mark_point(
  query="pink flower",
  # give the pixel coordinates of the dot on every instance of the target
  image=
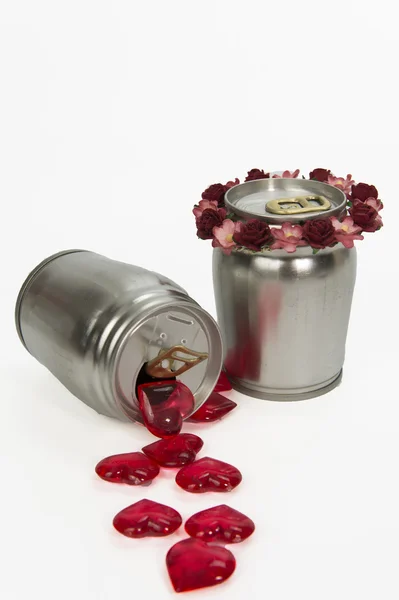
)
(287, 175)
(288, 237)
(203, 205)
(231, 184)
(375, 203)
(223, 236)
(346, 231)
(342, 184)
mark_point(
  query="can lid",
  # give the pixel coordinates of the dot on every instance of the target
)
(279, 200)
(176, 332)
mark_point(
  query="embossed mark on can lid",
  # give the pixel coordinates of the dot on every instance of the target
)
(278, 200)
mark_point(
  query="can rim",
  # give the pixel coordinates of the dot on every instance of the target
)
(28, 281)
(212, 333)
(232, 196)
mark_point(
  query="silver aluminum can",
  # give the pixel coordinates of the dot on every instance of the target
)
(96, 323)
(284, 317)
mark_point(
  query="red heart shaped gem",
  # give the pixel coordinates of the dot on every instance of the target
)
(175, 452)
(134, 468)
(223, 384)
(216, 407)
(208, 475)
(220, 524)
(192, 565)
(147, 518)
(164, 405)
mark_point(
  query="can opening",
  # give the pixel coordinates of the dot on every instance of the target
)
(144, 377)
(166, 330)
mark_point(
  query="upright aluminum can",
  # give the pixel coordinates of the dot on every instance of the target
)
(284, 317)
(96, 324)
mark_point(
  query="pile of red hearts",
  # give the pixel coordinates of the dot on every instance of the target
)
(165, 404)
(195, 562)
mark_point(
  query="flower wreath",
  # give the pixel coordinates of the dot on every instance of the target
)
(229, 233)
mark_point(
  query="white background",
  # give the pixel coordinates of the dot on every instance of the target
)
(114, 116)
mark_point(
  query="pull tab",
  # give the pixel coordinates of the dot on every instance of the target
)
(298, 205)
(155, 366)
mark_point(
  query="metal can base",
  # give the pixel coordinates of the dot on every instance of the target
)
(283, 395)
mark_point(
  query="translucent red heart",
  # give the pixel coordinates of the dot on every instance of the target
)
(223, 384)
(164, 405)
(175, 452)
(216, 407)
(220, 524)
(208, 475)
(133, 468)
(147, 518)
(192, 565)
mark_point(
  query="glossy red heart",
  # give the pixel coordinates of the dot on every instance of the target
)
(147, 518)
(192, 565)
(220, 524)
(164, 405)
(175, 452)
(223, 384)
(133, 468)
(208, 475)
(216, 407)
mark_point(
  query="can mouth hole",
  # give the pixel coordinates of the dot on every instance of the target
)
(144, 377)
(143, 342)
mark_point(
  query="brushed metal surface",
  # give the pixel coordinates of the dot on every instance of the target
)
(95, 322)
(284, 319)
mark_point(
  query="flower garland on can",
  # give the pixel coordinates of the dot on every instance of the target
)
(228, 233)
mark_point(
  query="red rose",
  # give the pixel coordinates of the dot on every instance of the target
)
(363, 191)
(209, 219)
(253, 234)
(365, 216)
(256, 174)
(216, 192)
(319, 233)
(320, 174)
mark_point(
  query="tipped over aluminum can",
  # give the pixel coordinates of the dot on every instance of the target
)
(97, 325)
